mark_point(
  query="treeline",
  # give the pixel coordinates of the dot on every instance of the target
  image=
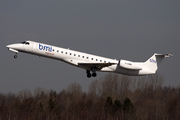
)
(113, 97)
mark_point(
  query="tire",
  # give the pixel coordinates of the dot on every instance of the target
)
(88, 75)
(15, 56)
(94, 74)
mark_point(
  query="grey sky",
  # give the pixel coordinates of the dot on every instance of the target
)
(127, 29)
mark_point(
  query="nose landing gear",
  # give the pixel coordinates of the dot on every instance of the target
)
(15, 56)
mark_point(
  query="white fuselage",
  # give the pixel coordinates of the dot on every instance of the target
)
(69, 56)
(87, 61)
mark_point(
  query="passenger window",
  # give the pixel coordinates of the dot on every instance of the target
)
(57, 50)
(61, 51)
(91, 58)
(74, 54)
(27, 43)
(82, 56)
(104, 61)
(100, 60)
(70, 53)
(96, 59)
(78, 55)
(87, 57)
(66, 52)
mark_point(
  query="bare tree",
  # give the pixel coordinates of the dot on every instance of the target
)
(142, 98)
(94, 89)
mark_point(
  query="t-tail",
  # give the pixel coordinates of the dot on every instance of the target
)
(153, 62)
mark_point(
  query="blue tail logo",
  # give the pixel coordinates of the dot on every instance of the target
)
(153, 61)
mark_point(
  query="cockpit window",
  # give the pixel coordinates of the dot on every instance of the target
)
(26, 43)
(23, 42)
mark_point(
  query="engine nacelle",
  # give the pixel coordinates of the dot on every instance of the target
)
(129, 65)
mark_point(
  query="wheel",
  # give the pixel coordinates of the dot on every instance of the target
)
(15, 56)
(88, 75)
(87, 71)
(94, 74)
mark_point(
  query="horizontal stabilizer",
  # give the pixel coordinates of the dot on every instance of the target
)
(164, 55)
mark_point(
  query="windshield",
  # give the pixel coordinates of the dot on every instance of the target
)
(23, 42)
(26, 43)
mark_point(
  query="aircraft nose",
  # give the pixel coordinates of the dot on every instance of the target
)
(13, 46)
(10, 46)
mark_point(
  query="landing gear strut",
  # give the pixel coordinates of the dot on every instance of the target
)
(89, 74)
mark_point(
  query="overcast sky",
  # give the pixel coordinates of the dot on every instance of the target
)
(121, 29)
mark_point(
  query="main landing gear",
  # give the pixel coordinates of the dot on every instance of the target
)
(89, 74)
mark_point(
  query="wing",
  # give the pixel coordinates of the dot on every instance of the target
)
(97, 66)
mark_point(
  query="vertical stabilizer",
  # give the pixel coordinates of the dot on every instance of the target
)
(153, 62)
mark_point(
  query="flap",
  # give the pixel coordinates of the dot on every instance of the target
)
(98, 66)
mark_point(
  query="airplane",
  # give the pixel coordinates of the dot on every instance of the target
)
(91, 63)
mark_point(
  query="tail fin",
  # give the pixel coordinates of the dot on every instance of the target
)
(153, 62)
